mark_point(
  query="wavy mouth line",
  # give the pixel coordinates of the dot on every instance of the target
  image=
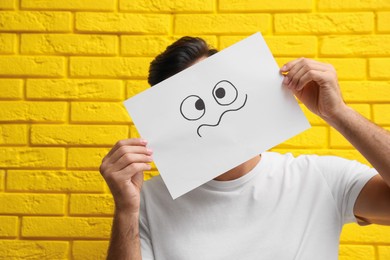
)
(220, 118)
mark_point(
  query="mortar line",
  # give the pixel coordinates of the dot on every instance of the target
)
(376, 251)
(70, 250)
(73, 19)
(19, 236)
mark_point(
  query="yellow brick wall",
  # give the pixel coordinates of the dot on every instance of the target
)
(66, 66)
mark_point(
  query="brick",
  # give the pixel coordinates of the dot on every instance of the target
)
(102, 112)
(384, 252)
(315, 137)
(148, 45)
(77, 134)
(55, 181)
(13, 134)
(74, 89)
(381, 114)
(281, 45)
(7, 43)
(354, 45)
(69, 44)
(363, 109)
(134, 132)
(348, 68)
(313, 118)
(102, 5)
(134, 87)
(123, 23)
(337, 140)
(91, 204)
(378, 68)
(221, 23)
(11, 88)
(66, 227)
(264, 6)
(8, 226)
(150, 174)
(17, 157)
(17, 249)
(7, 4)
(356, 252)
(353, 233)
(112, 67)
(18, 203)
(383, 21)
(35, 21)
(167, 6)
(353, 5)
(141, 45)
(324, 23)
(90, 250)
(12, 111)
(32, 66)
(86, 158)
(365, 91)
(211, 40)
(2, 180)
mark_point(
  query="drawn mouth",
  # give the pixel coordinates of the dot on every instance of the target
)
(220, 118)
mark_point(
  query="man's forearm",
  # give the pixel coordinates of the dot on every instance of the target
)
(125, 242)
(372, 141)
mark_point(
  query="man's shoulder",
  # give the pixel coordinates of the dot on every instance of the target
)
(303, 158)
(307, 163)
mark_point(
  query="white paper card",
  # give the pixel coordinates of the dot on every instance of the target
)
(216, 115)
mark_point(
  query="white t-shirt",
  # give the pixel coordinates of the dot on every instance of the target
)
(285, 208)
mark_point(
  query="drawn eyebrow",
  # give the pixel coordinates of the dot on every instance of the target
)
(220, 118)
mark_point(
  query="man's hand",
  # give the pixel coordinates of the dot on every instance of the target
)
(315, 85)
(122, 169)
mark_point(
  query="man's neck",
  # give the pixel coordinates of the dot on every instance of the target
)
(240, 170)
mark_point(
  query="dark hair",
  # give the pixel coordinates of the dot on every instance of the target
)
(177, 57)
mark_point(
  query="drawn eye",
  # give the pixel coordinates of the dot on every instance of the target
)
(225, 93)
(192, 108)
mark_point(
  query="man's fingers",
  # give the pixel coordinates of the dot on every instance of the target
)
(287, 67)
(309, 76)
(127, 173)
(293, 78)
(297, 68)
(295, 65)
(130, 150)
(128, 159)
(127, 142)
(134, 168)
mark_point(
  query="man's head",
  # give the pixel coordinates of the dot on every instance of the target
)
(177, 57)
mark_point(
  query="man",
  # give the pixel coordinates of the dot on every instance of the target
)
(268, 202)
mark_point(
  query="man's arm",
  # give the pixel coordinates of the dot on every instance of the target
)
(125, 242)
(122, 169)
(373, 142)
(316, 85)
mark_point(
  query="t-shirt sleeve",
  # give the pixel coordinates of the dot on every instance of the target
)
(146, 242)
(345, 179)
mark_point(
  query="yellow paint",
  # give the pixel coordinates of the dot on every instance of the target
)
(66, 66)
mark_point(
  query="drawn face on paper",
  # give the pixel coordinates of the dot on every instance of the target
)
(225, 94)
